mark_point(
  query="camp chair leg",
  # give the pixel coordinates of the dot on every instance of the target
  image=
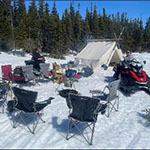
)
(15, 124)
(57, 88)
(75, 125)
(39, 116)
(35, 123)
(68, 129)
(92, 133)
(90, 143)
(73, 85)
(3, 107)
(107, 110)
(118, 104)
(32, 131)
(70, 125)
(89, 125)
(92, 129)
(35, 81)
(4, 102)
(113, 107)
(110, 108)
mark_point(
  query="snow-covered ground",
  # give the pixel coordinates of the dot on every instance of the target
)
(127, 128)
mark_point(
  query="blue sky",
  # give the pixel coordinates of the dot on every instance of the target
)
(134, 9)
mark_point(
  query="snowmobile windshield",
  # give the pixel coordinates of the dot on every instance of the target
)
(137, 63)
(138, 58)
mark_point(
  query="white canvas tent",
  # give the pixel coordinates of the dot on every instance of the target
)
(97, 53)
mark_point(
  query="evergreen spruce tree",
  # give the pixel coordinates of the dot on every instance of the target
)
(56, 47)
(147, 31)
(46, 9)
(15, 19)
(104, 23)
(21, 31)
(86, 26)
(45, 26)
(41, 9)
(141, 32)
(67, 30)
(33, 26)
(72, 17)
(90, 17)
(41, 20)
(137, 34)
(72, 14)
(95, 23)
(127, 42)
(124, 19)
(102, 27)
(19, 10)
(109, 28)
(116, 25)
(78, 28)
(6, 39)
(21, 37)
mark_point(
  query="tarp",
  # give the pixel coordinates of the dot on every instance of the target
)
(97, 53)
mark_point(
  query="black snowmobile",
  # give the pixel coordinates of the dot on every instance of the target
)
(132, 77)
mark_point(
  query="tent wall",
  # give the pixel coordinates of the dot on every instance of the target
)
(97, 53)
(117, 57)
(89, 62)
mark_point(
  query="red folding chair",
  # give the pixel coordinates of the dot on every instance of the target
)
(7, 72)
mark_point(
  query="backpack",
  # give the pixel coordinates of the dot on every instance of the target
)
(70, 73)
(18, 75)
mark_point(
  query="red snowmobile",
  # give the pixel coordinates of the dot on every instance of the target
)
(132, 77)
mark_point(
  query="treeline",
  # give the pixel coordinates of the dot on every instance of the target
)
(40, 26)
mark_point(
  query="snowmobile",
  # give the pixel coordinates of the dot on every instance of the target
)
(132, 77)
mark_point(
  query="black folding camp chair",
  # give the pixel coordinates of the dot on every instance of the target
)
(83, 116)
(65, 94)
(109, 95)
(25, 102)
(4, 87)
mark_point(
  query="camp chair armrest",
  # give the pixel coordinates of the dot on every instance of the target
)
(45, 101)
(95, 91)
(106, 87)
(15, 101)
(97, 111)
(48, 101)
